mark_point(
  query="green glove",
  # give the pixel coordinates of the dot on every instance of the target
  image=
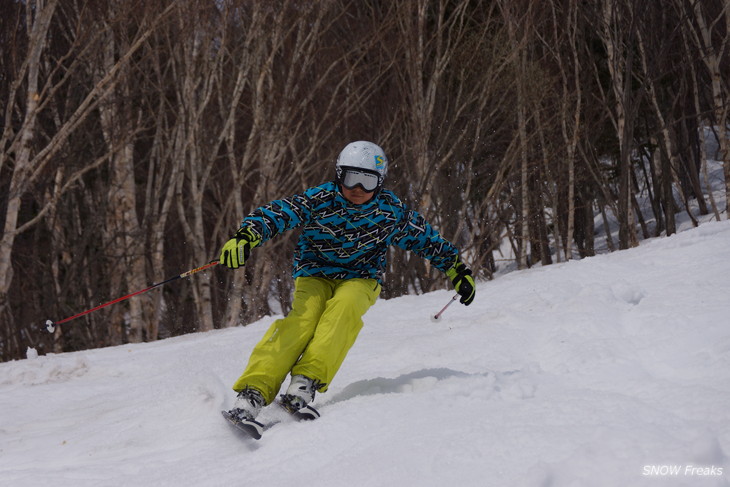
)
(235, 252)
(460, 276)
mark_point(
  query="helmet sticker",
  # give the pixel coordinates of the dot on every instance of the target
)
(379, 162)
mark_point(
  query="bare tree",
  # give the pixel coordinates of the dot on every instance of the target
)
(136, 135)
(19, 157)
(709, 25)
(30, 161)
(617, 31)
(563, 46)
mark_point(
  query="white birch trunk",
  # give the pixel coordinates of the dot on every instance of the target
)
(40, 14)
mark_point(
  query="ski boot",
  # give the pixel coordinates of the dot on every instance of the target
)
(298, 396)
(243, 414)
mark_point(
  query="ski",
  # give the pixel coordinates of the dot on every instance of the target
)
(255, 430)
(252, 428)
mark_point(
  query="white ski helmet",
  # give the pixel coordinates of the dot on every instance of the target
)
(362, 164)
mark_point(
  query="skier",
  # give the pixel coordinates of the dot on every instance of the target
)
(339, 262)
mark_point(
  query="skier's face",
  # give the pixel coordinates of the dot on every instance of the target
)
(357, 195)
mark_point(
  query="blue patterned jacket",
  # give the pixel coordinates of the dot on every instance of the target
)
(340, 240)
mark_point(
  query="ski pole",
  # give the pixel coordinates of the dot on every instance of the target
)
(51, 325)
(437, 316)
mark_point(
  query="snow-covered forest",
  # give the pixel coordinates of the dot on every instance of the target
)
(137, 134)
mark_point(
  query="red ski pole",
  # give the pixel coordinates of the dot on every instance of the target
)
(51, 325)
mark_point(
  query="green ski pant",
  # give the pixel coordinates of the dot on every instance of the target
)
(314, 338)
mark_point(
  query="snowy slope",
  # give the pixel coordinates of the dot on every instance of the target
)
(606, 371)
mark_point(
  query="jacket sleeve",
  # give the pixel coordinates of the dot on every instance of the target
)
(418, 236)
(278, 216)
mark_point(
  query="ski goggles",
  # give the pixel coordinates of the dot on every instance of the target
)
(351, 178)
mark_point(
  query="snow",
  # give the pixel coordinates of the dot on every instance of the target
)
(613, 370)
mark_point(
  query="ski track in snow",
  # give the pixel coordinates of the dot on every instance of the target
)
(575, 374)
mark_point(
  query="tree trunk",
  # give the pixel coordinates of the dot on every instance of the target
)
(40, 14)
(619, 48)
(720, 108)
